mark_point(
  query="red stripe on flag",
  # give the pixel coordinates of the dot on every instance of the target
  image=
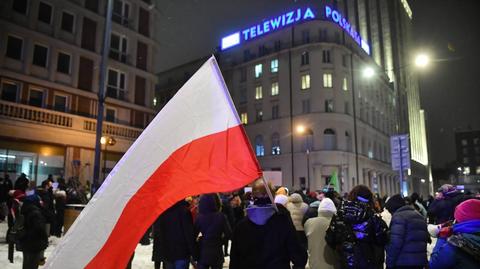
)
(215, 163)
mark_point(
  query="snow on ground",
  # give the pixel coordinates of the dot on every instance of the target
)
(142, 259)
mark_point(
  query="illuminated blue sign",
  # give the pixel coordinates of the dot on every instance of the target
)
(339, 19)
(267, 26)
(289, 18)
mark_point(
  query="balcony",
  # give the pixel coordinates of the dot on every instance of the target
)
(35, 115)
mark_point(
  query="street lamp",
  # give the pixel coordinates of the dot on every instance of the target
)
(422, 60)
(368, 72)
(107, 141)
(307, 132)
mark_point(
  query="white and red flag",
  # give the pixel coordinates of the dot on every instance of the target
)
(196, 144)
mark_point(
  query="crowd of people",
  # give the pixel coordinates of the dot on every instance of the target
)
(324, 229)
(271, 228)
(34, 213)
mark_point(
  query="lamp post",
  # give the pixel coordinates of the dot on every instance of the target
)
(307, 132)
(107, 141)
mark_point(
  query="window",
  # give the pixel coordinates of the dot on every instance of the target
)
(278, 45)
(144, 22)
(329, 139)
(243, 95)
(91, 5)
(258, 93)
(327, 80)
(121, 11)
(89, 34)
(274, 66)
(322, 35)
(345, 84)
(276, 144)
(347, 108)
(344, 60)
(244, 118)
(20, 6)
(305, 82)
(326, 56)
(243, 74)
(14, 47)
(118, 47)
(305, 36)
(258, 70)
(305, 58)
(274, 88)
(60, 103)
(275, 112)
(246, 55)
(40, 54)
(140, 90)
(329, 105)
(306, 106)
(478, 170)
(68, 21)
(116, 84)
(110, 115)
(10, 91)
(142, 55)
(63, 63)
(259, 115)
(348, 141)
(45, 13)
(85, 74)
(36, 98)
(259, 147)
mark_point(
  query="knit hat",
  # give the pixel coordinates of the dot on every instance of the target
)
(394, 203)
(468, 210)
(282, 190)
(327, 205)
(281, 199)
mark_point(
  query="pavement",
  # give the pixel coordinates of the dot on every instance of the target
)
(142, 259)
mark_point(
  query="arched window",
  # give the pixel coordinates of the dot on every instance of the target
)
(348, 141)
(275, 144)
(259, 147)
(329, 139)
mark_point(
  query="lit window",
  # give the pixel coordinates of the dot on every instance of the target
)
(478, 170)
(329, 105)
(155, 101)
(259, 115)
(274, 88)
(244, 118)
(258, 70)
(259, 147)
(345, 84)
(274, 66)
(276, 144)
(327, 80)
(305, 82)
(258, 93)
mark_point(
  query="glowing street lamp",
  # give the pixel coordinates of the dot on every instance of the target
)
(368, 72)
(301, 129)
(422, 60)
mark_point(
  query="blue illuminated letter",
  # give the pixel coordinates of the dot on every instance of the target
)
(276, 22)
(308, 14)
(289, 17)
(328, 11)
(245, 34)
(266, 27)
(299, 15)
(253, 32)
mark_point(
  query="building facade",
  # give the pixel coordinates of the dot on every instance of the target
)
(310, 109)
(49, 79)
(467, 144)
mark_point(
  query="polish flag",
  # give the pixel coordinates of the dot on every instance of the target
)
(196, 144)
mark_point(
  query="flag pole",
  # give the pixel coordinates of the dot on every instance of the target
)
(269, 192)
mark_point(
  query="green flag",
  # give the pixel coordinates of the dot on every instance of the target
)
(334, 180)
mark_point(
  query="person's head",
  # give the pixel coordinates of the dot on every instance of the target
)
(447, 190)
(282, 190)
(209, 203)
(361, 193)
(394, 203)
(327, 206)
(320, 196)
(259, 192)
(467, 210)
(281, 199)
(415, 197)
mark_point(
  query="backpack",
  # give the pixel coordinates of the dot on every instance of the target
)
(17, 231)
(465, 243)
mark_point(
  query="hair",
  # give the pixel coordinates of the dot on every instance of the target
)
(259, 190)
(361, 191)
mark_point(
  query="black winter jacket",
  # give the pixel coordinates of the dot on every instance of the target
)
(173, 234)
(408, 239)
(266, 240)
(214, 227)
(35, 237)
(443, 209)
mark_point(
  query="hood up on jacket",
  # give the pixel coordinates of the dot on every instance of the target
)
(260, 214)
(296, 198)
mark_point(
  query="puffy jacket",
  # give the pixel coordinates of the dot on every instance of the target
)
(359, 235)
(408, 239)
(266, 239)
(297, 209)
(461, 250)
(35, 237)
(320, 255)
(443, 209)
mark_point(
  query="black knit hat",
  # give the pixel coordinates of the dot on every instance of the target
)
(394, 203)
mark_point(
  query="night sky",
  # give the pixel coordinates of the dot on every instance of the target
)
(447, 29)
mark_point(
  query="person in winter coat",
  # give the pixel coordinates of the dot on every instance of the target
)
(407, 247)
(297, 209)
(22, 183)
(214, 227)
(462, 248)
(320, 256)
(443, 206)
(265, 239)
(357, 232)
(173, 241)
(34, 238)
(312, 211)
(5, 187)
